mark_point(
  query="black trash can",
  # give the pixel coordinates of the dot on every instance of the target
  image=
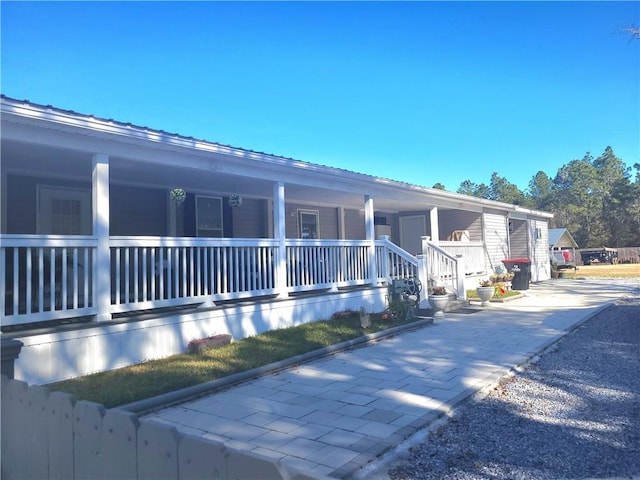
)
(521, 268)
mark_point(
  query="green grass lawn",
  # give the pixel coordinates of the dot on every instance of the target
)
(151, 378)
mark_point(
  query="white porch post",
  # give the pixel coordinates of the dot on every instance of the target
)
(279, 233)
(370, 233)
(102, 259)
(433, 219)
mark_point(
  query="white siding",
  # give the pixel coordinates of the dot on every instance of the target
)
(496, 238)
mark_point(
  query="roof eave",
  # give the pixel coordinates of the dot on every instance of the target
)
(363, 182)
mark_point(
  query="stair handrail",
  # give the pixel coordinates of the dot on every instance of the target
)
(385, 269)
(444, 268)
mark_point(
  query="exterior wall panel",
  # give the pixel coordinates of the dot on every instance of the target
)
(328, 220)
(450, 220)
(138, 211)
(22, 192)
(354, 225)
(519, 238)
(496, 238)
(250, 220)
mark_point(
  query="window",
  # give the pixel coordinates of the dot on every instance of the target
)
(209, 216)
(308, 224)
(538, 233)
(64, 211)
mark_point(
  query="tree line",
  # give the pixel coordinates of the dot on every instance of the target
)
(597, 199)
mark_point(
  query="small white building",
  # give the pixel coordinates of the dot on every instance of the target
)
(562, 248)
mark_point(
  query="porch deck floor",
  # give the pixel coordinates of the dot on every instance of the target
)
(342, 415)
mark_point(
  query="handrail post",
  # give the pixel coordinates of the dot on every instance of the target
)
(423, 277)
(425, 244)
(461, 276)
(385, 262)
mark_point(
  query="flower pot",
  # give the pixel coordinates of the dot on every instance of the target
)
(438, 304)
(485, 294)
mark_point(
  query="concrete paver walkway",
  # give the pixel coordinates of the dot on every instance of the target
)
(335, 415)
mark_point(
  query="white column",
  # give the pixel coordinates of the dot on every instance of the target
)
(370, 233)
(279, 233)
(102, 259)
(433, 219)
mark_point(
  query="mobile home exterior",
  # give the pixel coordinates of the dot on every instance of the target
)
(121, 243)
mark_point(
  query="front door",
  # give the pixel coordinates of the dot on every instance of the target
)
(411, 229)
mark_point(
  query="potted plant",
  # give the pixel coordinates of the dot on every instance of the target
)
(485, 291)
(438, 299)
(178, 195)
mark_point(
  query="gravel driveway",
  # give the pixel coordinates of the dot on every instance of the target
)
(574, 414)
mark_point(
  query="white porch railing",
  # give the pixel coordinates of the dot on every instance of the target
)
(155, 272)
(444, 268)
(48, 277)
(434, 267)
(393, 262)
(475, 258)
(321, 264)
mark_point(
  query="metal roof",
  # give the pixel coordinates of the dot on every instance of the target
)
(556, 234)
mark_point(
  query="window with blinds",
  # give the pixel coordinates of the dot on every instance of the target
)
(66, 219)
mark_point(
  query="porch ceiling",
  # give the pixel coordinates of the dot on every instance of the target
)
(38, 138)
(45, 161)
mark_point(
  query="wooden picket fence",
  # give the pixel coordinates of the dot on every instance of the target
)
(50, 435)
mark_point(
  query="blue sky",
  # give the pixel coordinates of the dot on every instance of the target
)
(422, 92)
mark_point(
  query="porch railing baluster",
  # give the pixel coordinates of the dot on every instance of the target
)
(63, 262)
(52, 279)
(28, 280)
(75, 278)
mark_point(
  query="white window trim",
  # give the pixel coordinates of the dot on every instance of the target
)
(46, 193)
(304, 211)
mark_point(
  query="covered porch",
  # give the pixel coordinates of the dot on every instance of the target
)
(98, 236)
(91, 237)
